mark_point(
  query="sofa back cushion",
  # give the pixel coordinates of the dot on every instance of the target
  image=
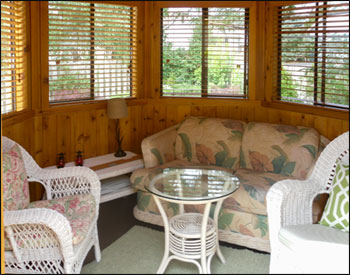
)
(15, 188)
(211, 141)
(282, 149)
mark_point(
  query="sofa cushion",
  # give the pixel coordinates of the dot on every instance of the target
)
(15, 182)
(251, 195)
(142, 177)
(210, 141)
(281, 149)
(336, 212)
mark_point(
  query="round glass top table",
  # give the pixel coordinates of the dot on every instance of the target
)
(192, 236)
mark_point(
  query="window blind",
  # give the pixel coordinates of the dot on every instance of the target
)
(92, 51)
(13, 56)
(204, 52)
(312, 54)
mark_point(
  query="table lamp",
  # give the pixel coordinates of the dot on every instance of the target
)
(116, 109)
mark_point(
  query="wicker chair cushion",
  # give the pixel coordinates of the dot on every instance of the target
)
(336, 213)
(210, 141)
(282, 149)
(314, 237)
(80, 210)
(313, 249)
(15, 188)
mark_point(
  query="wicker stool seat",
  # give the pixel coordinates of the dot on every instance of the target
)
(185, 236)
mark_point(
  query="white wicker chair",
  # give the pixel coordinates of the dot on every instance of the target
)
(297, 245)
(58, 254)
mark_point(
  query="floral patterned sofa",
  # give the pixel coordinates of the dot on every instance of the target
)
(259, 154)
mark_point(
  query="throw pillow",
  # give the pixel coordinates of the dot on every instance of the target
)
(15, 182)
(336, 212)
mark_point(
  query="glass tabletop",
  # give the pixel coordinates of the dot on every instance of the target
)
(193, 184)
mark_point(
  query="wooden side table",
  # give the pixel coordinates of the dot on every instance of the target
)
(112, 172)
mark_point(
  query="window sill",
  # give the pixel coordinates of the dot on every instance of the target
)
(314, 110)
(16, 117)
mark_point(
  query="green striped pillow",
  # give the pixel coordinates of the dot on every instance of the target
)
(336, 212)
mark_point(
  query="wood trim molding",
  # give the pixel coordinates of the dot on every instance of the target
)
(306, 109)
(122, 3)
(204, 4)
(36, 100)
(283, 3)
(85, 106)
(16, 118)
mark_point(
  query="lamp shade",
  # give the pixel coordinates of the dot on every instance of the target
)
(117, 108)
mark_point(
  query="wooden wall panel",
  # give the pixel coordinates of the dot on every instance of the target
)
(112, 143)
(21, 132)
(49, 140)
(101, 132)
(136, 134)
(47, 131)
(159, 117)
(84, 133)
(44, 136)
(37, 145)
(65, 136)
(164, 114)
(183, 112)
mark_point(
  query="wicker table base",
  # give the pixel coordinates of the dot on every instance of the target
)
(191, 237)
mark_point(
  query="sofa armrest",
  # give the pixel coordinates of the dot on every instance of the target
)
(160, 147)
(323, 143)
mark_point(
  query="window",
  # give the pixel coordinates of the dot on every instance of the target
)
(204, 52)
(92, 51)
(312, 54)
(13, 57)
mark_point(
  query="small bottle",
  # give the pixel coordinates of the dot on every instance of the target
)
(79, 160)
(60, 161)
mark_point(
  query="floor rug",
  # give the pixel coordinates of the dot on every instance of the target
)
(140, 251)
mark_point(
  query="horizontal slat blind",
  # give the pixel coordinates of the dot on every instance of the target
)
(311, 56)
(92, 51)
(13, 56)
(205, 52)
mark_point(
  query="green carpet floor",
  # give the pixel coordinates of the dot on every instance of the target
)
(140, 251)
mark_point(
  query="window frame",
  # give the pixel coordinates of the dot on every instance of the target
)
(204, 72)
(27, 96)
(46, 105)
(268, 100)
(155, 47)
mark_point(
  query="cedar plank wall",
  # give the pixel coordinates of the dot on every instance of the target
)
(47, 131)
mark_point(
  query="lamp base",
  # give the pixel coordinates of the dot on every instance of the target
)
(120, 153)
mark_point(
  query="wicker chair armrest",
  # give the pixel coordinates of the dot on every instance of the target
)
(69, 181)
(289, 202)
(160, 147)
(22, 228)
